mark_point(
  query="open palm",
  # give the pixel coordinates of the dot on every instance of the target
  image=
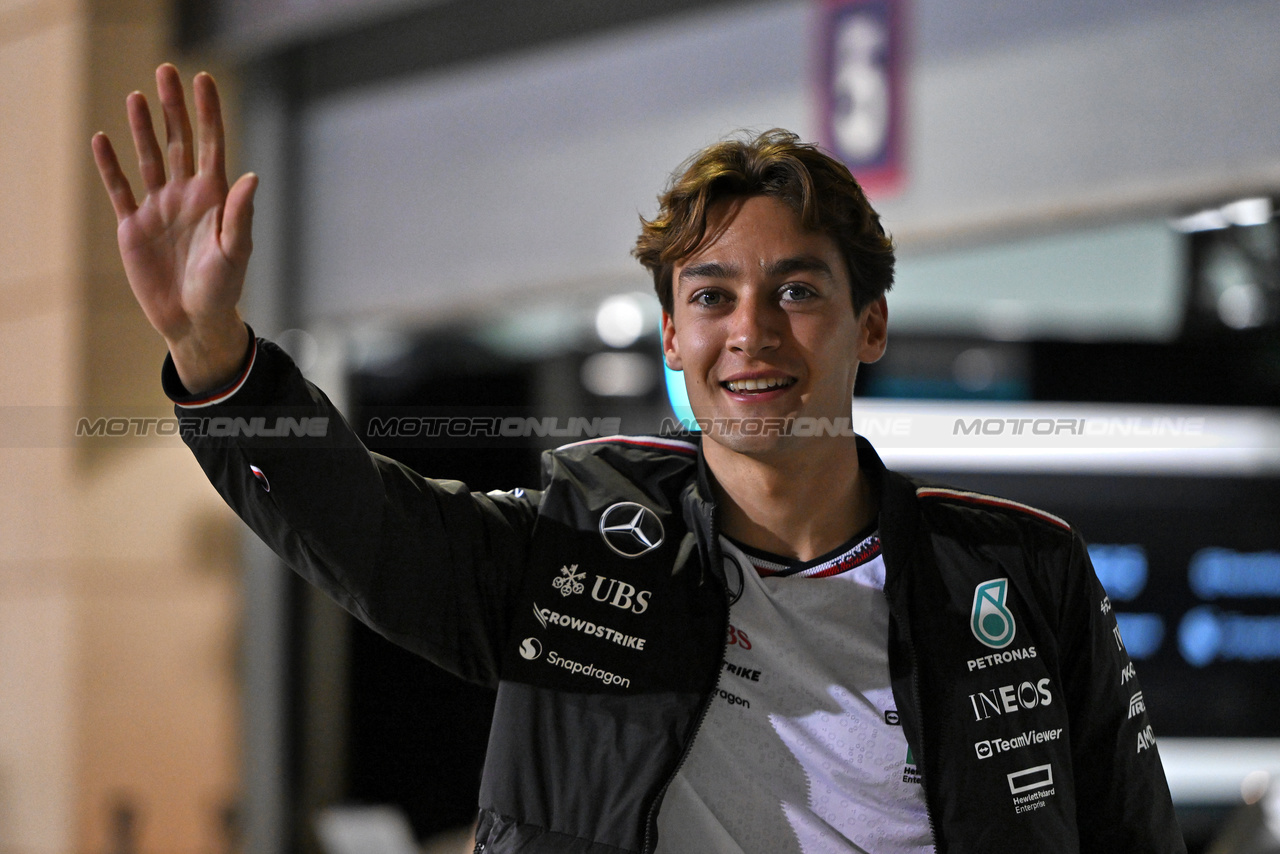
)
(186, 246)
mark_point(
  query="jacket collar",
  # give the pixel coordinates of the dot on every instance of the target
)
(899, 512)
(698, 504)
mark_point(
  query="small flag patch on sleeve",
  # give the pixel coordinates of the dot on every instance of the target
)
(262, 478)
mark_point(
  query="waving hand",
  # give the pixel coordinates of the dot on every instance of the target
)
(186, 245)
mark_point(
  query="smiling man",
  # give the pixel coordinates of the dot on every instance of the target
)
(756, 640)
(761, 321)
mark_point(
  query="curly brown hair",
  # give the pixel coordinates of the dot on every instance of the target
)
(819, 188)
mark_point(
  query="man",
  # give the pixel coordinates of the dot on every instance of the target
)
(759, 640)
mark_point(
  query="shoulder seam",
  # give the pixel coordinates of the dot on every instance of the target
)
(991, 501)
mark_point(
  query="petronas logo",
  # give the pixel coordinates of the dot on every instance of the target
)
(992, 621)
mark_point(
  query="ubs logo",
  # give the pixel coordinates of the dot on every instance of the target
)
(570, 580)
(617, 593)
(630, 529)
(620, 594)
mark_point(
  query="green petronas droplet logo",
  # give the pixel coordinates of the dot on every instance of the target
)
(992, 621)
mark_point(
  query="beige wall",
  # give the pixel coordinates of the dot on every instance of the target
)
(117, 562)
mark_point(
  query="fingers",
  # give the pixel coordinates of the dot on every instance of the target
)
(113, 177)
(177, 124)
(213, 158)
(150, 160)
(237, 221)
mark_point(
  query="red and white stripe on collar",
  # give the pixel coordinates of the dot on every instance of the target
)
(990, 501)
(865, 550)
(660, 442)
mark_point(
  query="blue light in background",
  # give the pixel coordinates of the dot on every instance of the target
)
(679, 397)
(1122, 569)
(677, 394)
(1199, 636)
(932, 388)
(1142, 633)
(1218, 572)
(1207, 634)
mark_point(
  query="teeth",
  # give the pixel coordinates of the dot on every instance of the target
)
(756, 385)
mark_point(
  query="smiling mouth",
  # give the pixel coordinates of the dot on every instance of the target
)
(749, 386)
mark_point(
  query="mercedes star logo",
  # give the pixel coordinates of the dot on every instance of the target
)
(630, 529)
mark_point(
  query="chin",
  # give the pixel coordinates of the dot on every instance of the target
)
(767, 434)
(755, 441)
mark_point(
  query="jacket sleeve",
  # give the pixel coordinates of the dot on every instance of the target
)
(1122, 796)
(426, 563)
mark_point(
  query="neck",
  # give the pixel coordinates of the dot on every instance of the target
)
(798, 504)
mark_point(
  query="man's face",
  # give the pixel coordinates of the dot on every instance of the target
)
(762, 323)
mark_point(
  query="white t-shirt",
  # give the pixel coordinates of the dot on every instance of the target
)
(800, 750)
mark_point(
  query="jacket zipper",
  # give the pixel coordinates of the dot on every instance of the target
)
(919, 710)
(652, 819)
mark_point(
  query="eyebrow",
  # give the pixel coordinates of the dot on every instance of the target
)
(781, 267)
(708, 270)
(799, 264)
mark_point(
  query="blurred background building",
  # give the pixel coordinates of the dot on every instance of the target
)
(1084, 197)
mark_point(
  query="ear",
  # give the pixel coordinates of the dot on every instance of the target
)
(873, 332)
(670, 345)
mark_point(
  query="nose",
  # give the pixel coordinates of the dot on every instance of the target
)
(753, 328)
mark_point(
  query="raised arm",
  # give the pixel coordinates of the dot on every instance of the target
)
(185, 247)
(426, 563)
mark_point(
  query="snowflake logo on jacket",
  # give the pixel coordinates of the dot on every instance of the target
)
(570, 581)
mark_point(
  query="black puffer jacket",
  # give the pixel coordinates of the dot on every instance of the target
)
(598, 607)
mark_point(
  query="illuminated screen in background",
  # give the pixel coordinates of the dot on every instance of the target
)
(1192, 567)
